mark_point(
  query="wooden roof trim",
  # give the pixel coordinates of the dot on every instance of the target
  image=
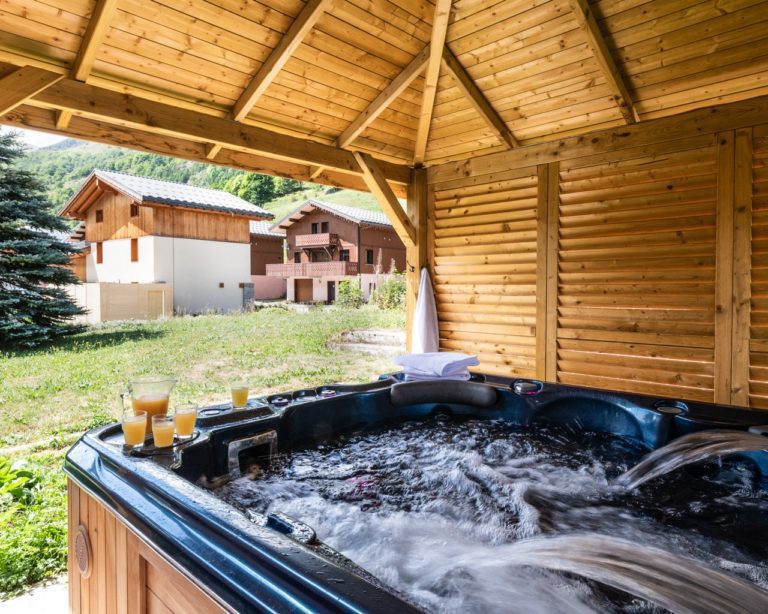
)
(476, 97)
(163, 119)
(93, 37)
(696, 123)
(84, 198)
(289, 42)
(587, 22)
(99, 131)
(379, 187)
(437, 42)
(396, 87)
(22, 84)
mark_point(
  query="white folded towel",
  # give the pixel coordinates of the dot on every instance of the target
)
(433, 365)
(421, 377)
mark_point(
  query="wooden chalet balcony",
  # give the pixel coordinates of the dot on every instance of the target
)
(325, 239)
(313, 269)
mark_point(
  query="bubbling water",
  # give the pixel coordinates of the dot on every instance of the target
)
(431, 510)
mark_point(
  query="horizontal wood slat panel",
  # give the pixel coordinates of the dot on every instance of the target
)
(624, 317)
(484, 269)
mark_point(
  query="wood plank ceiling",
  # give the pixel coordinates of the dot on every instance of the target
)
(295, 88)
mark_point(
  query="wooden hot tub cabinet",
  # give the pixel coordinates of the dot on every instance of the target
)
(124, 575)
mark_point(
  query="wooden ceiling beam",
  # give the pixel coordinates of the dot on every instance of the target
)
(289, 42)
(476, 97)
(212, 150)
(437, 42)
(397, 86)
(386, 198)
(93, 37)
(22, 84)
(587, 22)
(99, 131)
(163, 119)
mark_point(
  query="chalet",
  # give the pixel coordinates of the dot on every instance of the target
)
(327, 243)
(182, 247)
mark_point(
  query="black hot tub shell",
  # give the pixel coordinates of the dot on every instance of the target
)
(269, 565)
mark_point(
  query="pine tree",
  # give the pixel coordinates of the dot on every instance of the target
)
(34, 308)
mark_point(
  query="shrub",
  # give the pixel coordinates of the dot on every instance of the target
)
(391, 292)
(349, 294)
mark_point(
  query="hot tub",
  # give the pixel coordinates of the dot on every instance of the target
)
(149, 532)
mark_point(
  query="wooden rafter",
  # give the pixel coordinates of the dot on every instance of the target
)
(379, 187)
(93, 37)
(587, 22)
(164, 119)
(22, 84)
(476, 97)
(212, 150)
(301, 26)
(439, 30)
(385, 98)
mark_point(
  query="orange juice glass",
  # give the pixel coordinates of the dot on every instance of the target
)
(184, 418)
(162, 431)
(239, 392)
(134, 428)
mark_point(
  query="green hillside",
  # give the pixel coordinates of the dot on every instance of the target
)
(62, 167)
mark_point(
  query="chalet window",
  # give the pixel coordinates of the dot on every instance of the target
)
(134, 210)
(99, 252)
(134, 250)
(344, 255)
(297, 257)
(314, 228)
(99, 215)
(369, 256)
(324, 227)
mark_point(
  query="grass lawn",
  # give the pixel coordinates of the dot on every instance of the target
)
(49, 397)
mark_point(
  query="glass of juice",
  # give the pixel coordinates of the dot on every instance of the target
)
(134, 428)
(162, 430)
(150, 394)
(239, 390)
(184, 418)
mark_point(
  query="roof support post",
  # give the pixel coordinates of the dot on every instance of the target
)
(439, 30)
(22, 84)
(416, 255)
(379, 187)
(587, 22)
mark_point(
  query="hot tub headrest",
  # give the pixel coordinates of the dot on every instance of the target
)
(443, 391)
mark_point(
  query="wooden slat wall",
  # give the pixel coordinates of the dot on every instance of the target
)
(758, 354)
(485, 268)
(127, 577)
(636, 303)
(641, 268)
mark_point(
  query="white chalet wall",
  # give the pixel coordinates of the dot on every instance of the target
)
(196, 268)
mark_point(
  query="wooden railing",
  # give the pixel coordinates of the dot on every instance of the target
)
(325, 239)
(313, 269)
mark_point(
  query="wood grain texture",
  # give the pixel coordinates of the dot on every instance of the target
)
(23, 83)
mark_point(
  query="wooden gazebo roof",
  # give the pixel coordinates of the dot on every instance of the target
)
(302, 89)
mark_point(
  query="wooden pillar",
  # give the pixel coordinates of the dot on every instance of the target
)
(547, 233)
(724, 268)
(742, 266)
(416, 255)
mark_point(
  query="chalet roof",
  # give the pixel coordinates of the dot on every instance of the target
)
(357, 216)
(264, 229)
(146, 190)
(300, 89)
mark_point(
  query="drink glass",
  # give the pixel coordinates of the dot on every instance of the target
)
(184, 418)
(162, 431)
(134, 428)
(239, 391)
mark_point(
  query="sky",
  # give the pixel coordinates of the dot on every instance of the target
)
(34, 138)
